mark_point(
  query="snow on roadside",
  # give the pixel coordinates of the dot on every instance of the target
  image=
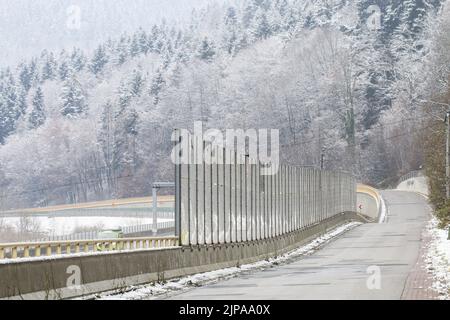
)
(383, 213)
(185, 283)
(438, 259)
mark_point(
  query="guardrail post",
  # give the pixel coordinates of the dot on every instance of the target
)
(155, 210)
(177, 184)
(14, 251)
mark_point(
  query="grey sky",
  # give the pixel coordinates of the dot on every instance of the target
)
(29, 26)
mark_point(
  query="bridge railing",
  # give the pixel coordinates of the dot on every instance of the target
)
(230, 200)
(128, 230)
(412, 174)
(51, 248)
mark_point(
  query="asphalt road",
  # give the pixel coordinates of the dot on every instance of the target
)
(343, 268)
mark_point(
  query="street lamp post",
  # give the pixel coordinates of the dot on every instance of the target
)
(447, 156)
(447, 145)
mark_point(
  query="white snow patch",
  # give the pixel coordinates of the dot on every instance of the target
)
(63, 225)
(383, 214)
(438, 258)
(185, 283)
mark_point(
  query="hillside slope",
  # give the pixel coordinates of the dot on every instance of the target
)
(336, 77)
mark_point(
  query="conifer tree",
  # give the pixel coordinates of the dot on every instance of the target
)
(262, 29)
(206, 50)
(99, 60)
(73, 99)
(12, 105)
(136, 83)
(77, 60)
(25, 76)
(49, 69)
(37, 115)
(63, 71)
(156, 87)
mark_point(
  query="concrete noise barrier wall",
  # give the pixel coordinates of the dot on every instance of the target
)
(74, 276)
(225, 197)
(230, 209)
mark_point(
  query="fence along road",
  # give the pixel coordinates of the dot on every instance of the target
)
(228, 202)
(231, 201)
(374, 261)
(217, 204)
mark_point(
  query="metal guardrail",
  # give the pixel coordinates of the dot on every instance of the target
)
(148, 227)
(67, 237)
(52, 248)
(119, 212)
(93, 234)
(117, 203)
(412, 174)
(362, 188)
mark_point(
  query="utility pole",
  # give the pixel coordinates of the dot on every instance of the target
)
(447, 145)
(322, 160)
(447, 156)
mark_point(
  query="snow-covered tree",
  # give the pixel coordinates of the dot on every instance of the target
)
(99, 60)
(153, 39)
(206, 50)
(34, 72)
(64, 71)
(143, 41)
(312, 69)
(156, 86)
(21, 103)
(135, 46)
(121, 51)
(137, 83)
(49, 69)
(25, 76)
(262, 28)
(11, 105)
(37, 116)
(73, 99)
(124, 94)
(77, 60)
(107, 140)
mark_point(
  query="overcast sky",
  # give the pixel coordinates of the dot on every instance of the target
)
(29, 26)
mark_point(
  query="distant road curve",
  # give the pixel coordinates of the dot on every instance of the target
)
(97, 204)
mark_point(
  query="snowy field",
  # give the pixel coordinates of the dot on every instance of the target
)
(57, 226)
(32, 224)
(438, 259)
(178, 285)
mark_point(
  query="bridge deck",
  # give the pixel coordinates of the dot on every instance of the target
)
(340, 270)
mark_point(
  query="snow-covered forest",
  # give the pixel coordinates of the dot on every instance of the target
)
(80, 125)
